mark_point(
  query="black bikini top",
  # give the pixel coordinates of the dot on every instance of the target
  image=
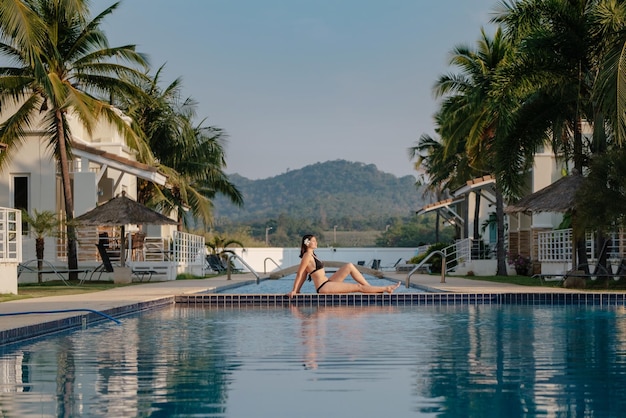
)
(318, 266)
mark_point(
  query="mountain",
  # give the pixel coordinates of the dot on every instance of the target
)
(326, 192)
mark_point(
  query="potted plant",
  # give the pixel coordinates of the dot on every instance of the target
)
(43, 224)
(522, 265)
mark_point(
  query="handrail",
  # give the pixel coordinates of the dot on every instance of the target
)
(417, 267)
(228, 269)
(265, 265)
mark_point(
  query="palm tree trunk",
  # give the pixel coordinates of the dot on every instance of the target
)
(72, 256)
(39, 250)
(500, 251)
(476, 232)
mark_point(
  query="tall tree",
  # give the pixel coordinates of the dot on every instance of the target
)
(63, 65)
(191, 155)
(471, 119)
(568, 66)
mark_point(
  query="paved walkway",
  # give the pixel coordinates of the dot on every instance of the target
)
(146, 292)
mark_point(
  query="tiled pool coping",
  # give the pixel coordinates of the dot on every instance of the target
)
(407, 299)
(400, 299)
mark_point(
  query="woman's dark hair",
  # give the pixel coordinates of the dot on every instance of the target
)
(305, 241)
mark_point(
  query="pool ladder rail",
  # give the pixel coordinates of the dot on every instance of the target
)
(419, 266)
(242, 261)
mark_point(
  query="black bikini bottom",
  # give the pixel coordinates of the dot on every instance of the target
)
(322, 285)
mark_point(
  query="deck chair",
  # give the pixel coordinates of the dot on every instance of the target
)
(106, 265)
(375, 264)
(137, 240)
(393, 266)
(215, 263)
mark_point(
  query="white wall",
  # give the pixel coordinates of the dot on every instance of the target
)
(8, 278)
(267, 260)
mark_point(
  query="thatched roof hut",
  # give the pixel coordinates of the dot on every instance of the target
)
(559, 196)
(122, 210)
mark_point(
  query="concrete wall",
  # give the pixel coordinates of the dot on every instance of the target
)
(8, 278)
(267, 260)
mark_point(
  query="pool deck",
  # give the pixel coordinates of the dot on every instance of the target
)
(128, 299)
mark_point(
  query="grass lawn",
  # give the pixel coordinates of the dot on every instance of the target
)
(58, 288)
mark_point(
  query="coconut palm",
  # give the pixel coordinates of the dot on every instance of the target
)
(193, 157)
(555, 68)
(472, 120)
(43, 224)
(570, 53)
(62, 65)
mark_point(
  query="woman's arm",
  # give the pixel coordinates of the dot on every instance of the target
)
(300, 275)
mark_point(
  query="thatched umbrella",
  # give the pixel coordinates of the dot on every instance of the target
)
(559, 196)
(121, 211)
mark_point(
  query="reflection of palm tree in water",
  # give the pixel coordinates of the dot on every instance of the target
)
(320, 324)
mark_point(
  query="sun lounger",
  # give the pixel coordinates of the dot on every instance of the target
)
(30, 266)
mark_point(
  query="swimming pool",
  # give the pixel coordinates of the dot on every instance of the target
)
(436, 360)
(285, 284)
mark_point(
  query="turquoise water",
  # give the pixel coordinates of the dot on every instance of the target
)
(285, 284)
(430, 361)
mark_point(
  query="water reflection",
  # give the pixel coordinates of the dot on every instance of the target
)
(446, 361)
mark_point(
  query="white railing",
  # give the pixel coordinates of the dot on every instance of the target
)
(10, 235)
(188, 249)
(554, 246)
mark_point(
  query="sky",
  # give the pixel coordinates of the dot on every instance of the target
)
(297, 82)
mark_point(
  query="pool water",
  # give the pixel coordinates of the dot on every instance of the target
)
(285, 284)
(430, 361)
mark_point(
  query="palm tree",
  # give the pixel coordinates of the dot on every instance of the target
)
(555, 68)
(193, 157)
(570, 68)
(63, 65)
(472, 121)
(43, 224)
(218, 246)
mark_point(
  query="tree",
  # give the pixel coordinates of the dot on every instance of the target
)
(43, 224)
(470, 121)
(193, 157)
(63, 66)
(569, 69)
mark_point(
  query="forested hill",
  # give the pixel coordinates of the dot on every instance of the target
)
(328, 193)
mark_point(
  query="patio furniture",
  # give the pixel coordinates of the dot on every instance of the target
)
(30, 266)
(137, 246)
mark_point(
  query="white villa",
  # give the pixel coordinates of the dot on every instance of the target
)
(534, 235)
(103, 167)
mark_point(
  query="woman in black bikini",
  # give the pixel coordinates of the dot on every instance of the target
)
(313, 267)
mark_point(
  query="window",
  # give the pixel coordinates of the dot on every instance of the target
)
(20, 197)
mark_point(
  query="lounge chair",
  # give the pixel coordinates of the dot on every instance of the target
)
(107, 266)
(215, 263)
(391, 267)
(47, 267)
(375, 264)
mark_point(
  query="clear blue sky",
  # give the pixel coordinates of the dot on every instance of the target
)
(296, 82)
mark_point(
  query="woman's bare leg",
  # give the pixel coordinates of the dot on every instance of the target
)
(341, 287)
(348, 269)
